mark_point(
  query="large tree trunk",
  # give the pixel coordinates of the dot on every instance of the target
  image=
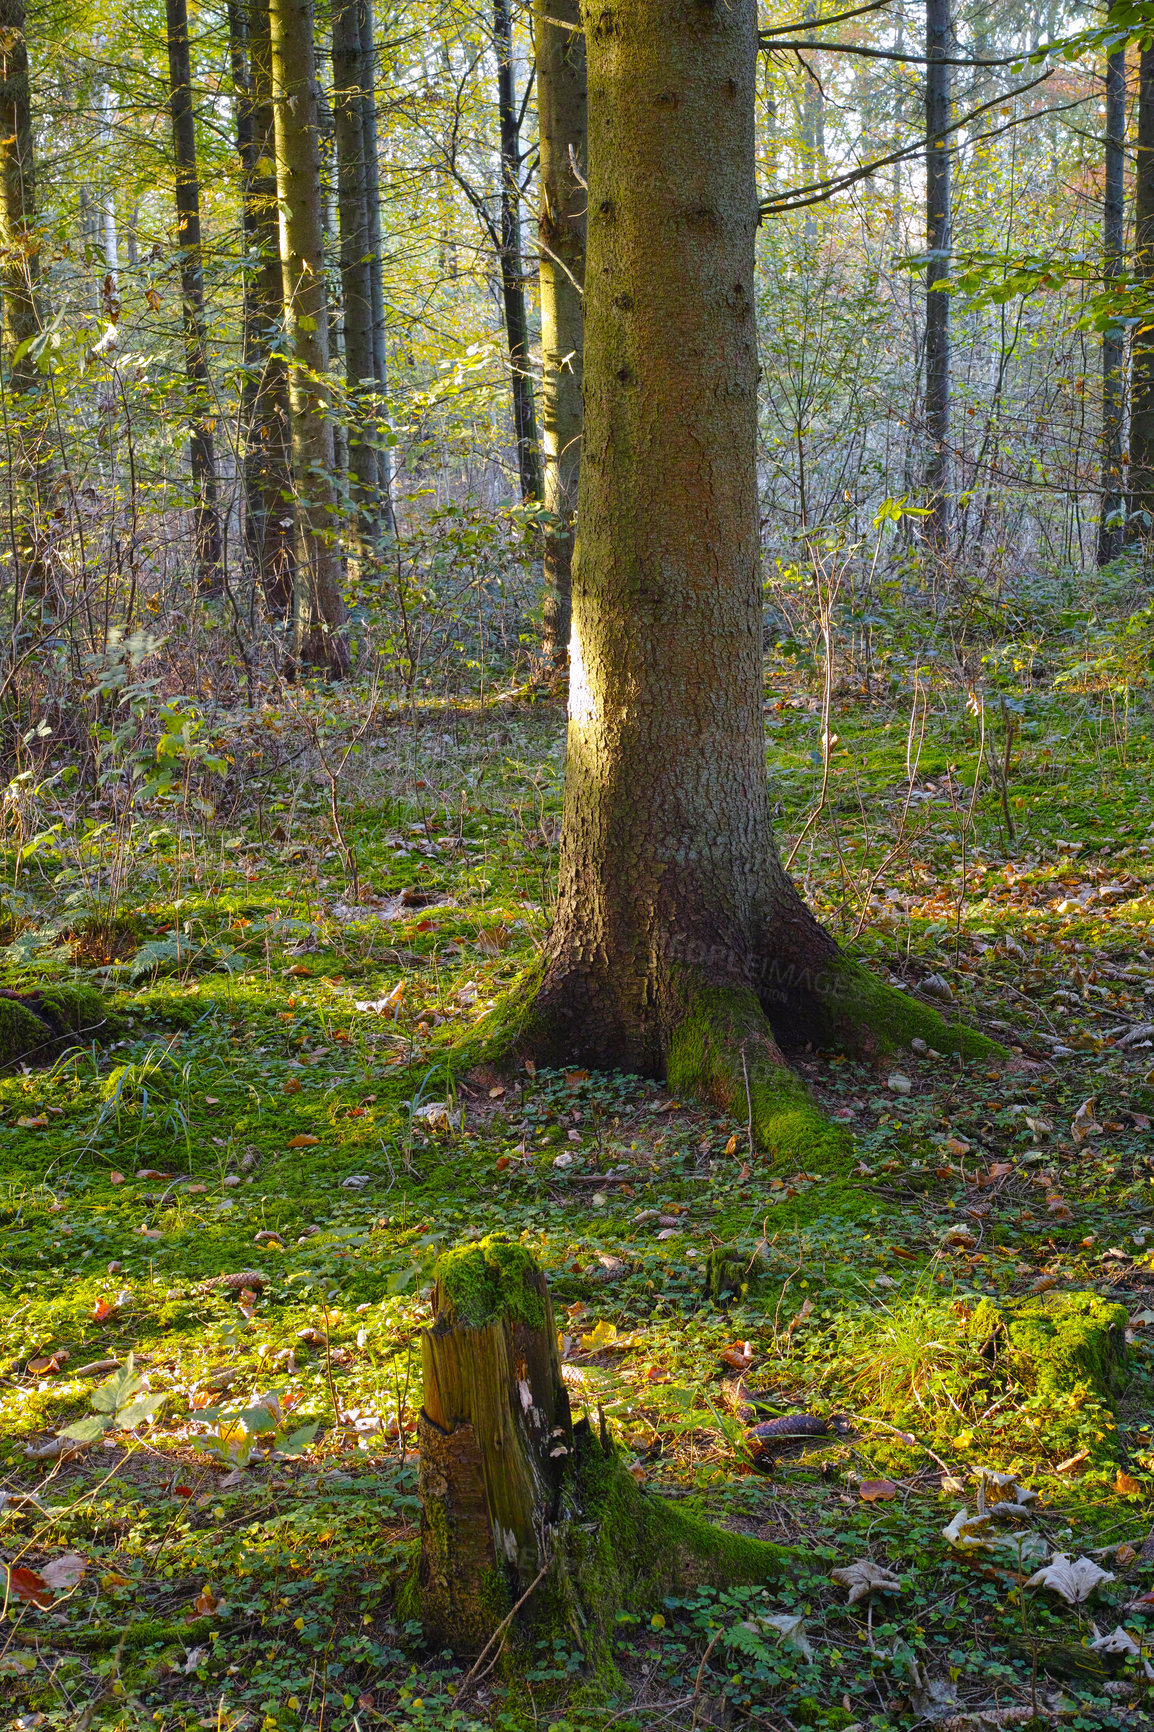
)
(938, 37)
(512, 271)
(1142, 342)
(20, 292)
(677, 930)
(352, 81)
(1110, 530)
(268, 508)
(201, 412)
(318, 600)
(562, 128)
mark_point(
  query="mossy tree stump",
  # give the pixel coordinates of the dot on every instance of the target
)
(36, 1026)
(516, 1497)
(495, 1440)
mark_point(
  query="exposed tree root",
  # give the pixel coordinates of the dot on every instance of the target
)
(723, 1048)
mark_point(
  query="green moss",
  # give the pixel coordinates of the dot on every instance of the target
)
(490, 1279)
(22, 1034)
(864, 1015)
(731, 1274)
(34, 1027)
(725, 1027)
(627, 1549)
(513, 1026)
(1066, 1344)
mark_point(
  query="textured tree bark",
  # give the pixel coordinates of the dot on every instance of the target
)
(268, 502)
(512, 271)
(1142, 342)
(562, 129)
(1110, 528)
(938, 233)
(318, 600)
(201, 445)
(376, 267)
(20, 294)
(495, 1438)
(677, 931)
(352, 81)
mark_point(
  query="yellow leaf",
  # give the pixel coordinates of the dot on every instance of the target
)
(599, 1336)
(731, 1145)
(303, 1141)
(1126, 1485)
(657, 1621)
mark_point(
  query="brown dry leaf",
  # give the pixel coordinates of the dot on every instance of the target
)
(955, 1147)
(299, 968)
(151, 1173)
(496, 1091)
(103, 1308)
(116, 1178)
(738, 1355)
(64, 1572)
(39, 1123)
(493, 941)
(305, 1140)
(290, 1086)
(530, 1067)
(877, 1490)
(205, 1603)
(573, 1077)
(28, 1585)
(1126, 1485)
(731, 1145)
(1125, 1556)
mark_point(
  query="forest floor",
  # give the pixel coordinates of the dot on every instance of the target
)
(274, 1106)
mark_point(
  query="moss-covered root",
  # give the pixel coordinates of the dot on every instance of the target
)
(858, 1013)
(625, 1550)
(35, 1025)
(512, 1029)
(724, 1051)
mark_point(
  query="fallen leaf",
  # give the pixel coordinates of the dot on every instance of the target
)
(731, 1145)
(573, 1077)
(25, 1123)
(28, 1585)
(290, 1086)
(64, 1572)
(877, 1490)
(151, 1173)
(1074, 1582)
(299, 969)
(1126, 1485)
(600, 1336)
(865, 1577)
(738, 1355)
(205, 1603)
(302, 1141)
(116, 1178)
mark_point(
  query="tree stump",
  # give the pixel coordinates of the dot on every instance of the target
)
(496, 1439)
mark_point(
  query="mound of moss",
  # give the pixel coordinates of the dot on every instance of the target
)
(36, 1026)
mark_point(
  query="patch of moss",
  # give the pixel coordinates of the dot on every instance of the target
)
(23, 1035)
(1066, 1343)
(513, 1026)
(35, 1025)
(723, 1051)
(490, 1279)
(627, 1549)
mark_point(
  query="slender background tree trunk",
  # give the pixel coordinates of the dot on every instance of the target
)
(1110, 531)
(512, 272)
(351, 76)
(20, 290)
(376, 267)
(562, 127)
(268, 502)
(938, 38)
(318, 601)
(1142, 341)
(201, 445)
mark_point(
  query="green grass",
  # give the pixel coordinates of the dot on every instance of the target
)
(246, 1087)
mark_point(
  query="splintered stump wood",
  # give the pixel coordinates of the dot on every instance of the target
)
(495, 1439)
